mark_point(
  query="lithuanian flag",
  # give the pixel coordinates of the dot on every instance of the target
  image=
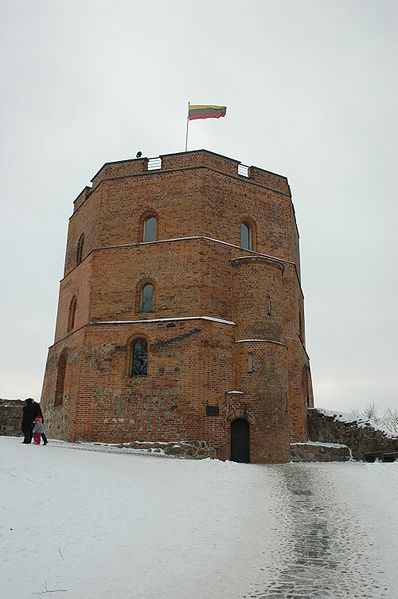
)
(205, 111)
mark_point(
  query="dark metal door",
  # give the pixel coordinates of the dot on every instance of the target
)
(240, 441)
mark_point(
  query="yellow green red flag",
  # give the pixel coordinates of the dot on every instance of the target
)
(205, 111)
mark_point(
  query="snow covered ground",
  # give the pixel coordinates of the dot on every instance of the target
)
(92, 524)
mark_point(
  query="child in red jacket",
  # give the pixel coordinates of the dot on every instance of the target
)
(38, 429)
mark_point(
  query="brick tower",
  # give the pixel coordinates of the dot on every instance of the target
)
(180, 313)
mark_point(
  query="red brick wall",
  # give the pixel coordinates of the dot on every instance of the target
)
(77, 284)
(192, 363)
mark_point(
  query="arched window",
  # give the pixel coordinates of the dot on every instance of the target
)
(79, 252)
(149, 229)
(246, 236)
(139, 358)
(59, 388)
(146, 298)
(72, 313)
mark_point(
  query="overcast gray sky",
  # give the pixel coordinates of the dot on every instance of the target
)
(311, 90)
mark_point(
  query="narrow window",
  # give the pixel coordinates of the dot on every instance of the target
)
(72, 313)
(150, 227)
(304, 385)
(79, 253)
(246, 238)
(59, 388)
(249, 362)
(300, 325)
(139, 358)
(146, 300)
(269, 306)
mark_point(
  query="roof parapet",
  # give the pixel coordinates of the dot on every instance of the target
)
(191, 159)
(200, 158)
(122, 168)
(83, 195)
(269, 179)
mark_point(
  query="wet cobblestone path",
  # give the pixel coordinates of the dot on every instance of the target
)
(323, 551)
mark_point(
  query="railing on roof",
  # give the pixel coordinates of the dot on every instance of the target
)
(243, 170)
(154, 164)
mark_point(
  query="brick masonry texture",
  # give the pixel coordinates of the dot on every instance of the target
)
(197, 269)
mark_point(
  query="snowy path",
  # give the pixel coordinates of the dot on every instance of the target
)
(96, 525)
(340, 524)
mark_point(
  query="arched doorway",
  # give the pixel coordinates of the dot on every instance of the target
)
(240, 441)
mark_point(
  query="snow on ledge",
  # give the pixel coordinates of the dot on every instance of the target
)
(251, 340)
(260, 341)
(235, 392)
(179, 318)
(254, 253)
(321, 444)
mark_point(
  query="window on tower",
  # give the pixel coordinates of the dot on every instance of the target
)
(79, 252)
(246, 236)
(300, 324)
(72, 313)
(139, 358)
(146, 299)
(150, 229)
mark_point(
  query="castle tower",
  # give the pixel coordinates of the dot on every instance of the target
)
(180, 313)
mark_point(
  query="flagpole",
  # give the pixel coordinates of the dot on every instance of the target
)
(186, 134)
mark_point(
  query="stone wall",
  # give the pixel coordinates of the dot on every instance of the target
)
(319, 452)
(365, 442)
(11, 417)
(182, 449)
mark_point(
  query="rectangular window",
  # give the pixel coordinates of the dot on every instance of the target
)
(250, 363)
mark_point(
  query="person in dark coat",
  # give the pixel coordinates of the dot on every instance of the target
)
(27, 420)
(37, 412)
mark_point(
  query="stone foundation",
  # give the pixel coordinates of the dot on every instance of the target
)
(182, 449)
(319, 452)
(192, 449)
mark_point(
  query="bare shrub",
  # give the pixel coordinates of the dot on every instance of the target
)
(389, 421)
(370, 413)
